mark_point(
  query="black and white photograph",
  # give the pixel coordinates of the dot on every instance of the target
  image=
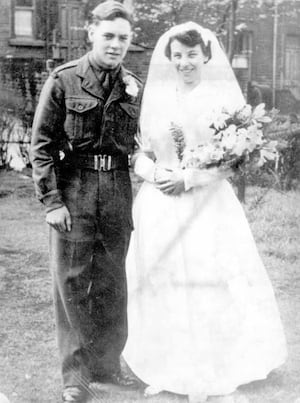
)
(150, 201)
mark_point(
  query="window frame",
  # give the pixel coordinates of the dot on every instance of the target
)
(32, 9)
(291, 59)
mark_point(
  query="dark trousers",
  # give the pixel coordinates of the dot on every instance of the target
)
(88, 268)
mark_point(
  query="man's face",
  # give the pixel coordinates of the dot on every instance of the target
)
(111, 40)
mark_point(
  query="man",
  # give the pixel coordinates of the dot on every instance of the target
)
(83, 133)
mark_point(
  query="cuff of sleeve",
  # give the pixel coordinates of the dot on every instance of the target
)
(199, 177)
(145, 168)
(188, 178)
(52, 201)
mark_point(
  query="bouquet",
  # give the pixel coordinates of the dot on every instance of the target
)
(237, 138)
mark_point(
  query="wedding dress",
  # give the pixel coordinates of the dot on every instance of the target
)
(201, 308)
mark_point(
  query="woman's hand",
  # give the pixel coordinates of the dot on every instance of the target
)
(173, 184)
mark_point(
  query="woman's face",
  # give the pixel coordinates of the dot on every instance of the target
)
(188, 61)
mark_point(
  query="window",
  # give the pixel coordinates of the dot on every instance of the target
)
(292, 60)
(24, 18)
(243, 43)
(243, 49)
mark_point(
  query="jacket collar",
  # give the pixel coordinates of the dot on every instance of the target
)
(91, 84)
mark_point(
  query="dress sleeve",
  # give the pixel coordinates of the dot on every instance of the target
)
(144, 167)
(194, 177)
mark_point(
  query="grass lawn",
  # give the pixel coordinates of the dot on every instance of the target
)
(29, 367)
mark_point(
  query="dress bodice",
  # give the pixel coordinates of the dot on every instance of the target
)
(189, 111)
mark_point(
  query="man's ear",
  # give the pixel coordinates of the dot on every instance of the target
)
(91, 31)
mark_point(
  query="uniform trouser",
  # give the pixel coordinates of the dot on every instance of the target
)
(88, 269)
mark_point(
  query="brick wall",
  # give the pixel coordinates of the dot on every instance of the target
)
(21, 80)
(4, 25)
(138, 62)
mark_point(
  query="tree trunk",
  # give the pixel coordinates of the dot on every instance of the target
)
(241, 188)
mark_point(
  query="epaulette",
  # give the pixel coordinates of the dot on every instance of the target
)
(65, 66)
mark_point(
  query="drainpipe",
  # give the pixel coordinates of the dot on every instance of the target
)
(275, 40)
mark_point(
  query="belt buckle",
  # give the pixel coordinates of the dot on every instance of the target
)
(102, 162)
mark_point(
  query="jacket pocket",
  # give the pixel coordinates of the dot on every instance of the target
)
(131, 109)
(81, 117)
(126, 122)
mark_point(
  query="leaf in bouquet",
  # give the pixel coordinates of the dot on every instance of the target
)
(273, 145)
(259, 111)
(264, 119)
(264, 156)
(282, 145)
(269, 154)
(179, 140)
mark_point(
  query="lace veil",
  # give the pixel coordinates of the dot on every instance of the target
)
(220, 87)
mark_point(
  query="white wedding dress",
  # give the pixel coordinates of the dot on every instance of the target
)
(201, 308)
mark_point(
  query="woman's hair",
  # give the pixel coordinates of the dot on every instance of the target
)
(189, 38)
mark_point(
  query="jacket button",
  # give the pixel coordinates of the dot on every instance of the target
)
(80, 107)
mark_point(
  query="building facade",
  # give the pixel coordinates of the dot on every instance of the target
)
(36, 35)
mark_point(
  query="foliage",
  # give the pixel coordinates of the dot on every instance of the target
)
(156, 16)
(287, 133)
(285, 172)
(153, 17)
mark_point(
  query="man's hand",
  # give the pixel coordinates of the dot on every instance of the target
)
(174, 185)
(59, 219)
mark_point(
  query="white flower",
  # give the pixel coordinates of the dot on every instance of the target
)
(245, 113)
(217, 154)
(229, 137)
(132, 88)
(220, 121)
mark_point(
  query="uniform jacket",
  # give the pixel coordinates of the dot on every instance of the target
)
(72, 117)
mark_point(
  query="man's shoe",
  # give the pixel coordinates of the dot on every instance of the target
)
(75, 394)
(120, 379)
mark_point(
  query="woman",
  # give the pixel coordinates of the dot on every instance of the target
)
(202, 314)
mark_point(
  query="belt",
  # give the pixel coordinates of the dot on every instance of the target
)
(101, 162)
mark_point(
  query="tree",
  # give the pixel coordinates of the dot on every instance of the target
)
(153, 17)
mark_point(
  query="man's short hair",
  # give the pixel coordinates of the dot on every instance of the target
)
(110, 10)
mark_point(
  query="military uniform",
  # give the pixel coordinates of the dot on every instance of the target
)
(82, 137)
